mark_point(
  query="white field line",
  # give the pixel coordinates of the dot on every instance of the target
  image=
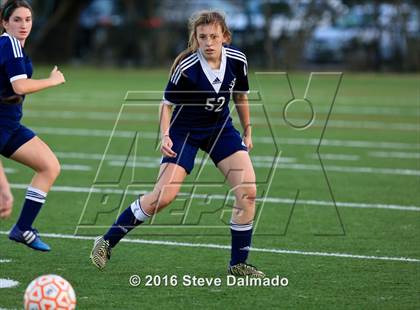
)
(3, 261)
(258, 162)
(338, 109)
(255, 119)
(275, 200)
(8, 283)
(155, 96)
(344, 157)
(404, 155)
(64, 167)
(361, 110)
(227, 247)
(375, 154)
(287, 163)
(116, 157)
(257, 159)
(291, 166)
(352, 124)
(85, 132)
(76, 167)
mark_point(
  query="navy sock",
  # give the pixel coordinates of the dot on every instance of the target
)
(127, 221)
(241, 242)
(34, 200)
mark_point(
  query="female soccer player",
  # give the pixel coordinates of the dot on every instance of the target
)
(202, 80)
(16, 141)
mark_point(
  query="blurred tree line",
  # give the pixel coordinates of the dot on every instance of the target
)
(152, 33)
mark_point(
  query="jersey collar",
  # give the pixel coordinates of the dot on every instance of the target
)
(215, 77)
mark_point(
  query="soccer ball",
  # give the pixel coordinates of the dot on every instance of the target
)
(49, 292)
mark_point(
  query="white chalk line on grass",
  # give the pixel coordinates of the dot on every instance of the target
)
(227, 247)
(291, 166)
(85, 132)
(258, 162)
(340, 157)
(75, 167)
(411, 111)
(8, 283)
(119, 157)
(153, 164)
(102, 190)
(255, 120)
(64, 167)
(3, 261)
(403, 155)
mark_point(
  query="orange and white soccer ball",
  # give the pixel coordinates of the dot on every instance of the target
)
(49, 292)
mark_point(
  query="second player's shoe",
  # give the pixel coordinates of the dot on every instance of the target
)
(101, 252)
(244, 269)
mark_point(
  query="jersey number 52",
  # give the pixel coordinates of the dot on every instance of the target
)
(213, 104)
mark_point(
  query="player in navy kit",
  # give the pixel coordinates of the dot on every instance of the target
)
(202, 81)
(16, 141)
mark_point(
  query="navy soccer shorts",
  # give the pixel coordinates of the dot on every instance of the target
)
(218, 143)
(12, 139)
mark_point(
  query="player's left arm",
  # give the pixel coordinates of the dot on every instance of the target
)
(242, 106)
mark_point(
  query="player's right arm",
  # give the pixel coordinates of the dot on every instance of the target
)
(6, 197)
(28, 86)
(172, 96)
(165, 121)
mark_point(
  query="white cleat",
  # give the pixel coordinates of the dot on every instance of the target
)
(101, 252)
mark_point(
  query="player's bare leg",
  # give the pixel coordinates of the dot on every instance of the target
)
(240, 174)
(37, 155)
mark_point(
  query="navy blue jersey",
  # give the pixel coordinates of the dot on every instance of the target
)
(14, 65)
(201, 95)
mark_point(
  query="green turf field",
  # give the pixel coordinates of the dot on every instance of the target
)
(363, 252)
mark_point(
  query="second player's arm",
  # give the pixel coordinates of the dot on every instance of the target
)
(242, 106)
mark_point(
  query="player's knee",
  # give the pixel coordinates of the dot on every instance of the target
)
(249, 194)
(53, 169)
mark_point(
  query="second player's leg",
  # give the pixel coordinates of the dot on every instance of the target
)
(170, 179)
(238, 170)
(167, 186)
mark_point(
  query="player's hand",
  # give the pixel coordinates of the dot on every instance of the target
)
(166, 147)
(56, 76)
(248, 142)
(6, 203)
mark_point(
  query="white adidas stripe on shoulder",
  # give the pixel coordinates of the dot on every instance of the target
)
(236, 54)
(184, 63)
(17, 48)
(183, 69)
(237, 58)
(235, 51)
(185, 60)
